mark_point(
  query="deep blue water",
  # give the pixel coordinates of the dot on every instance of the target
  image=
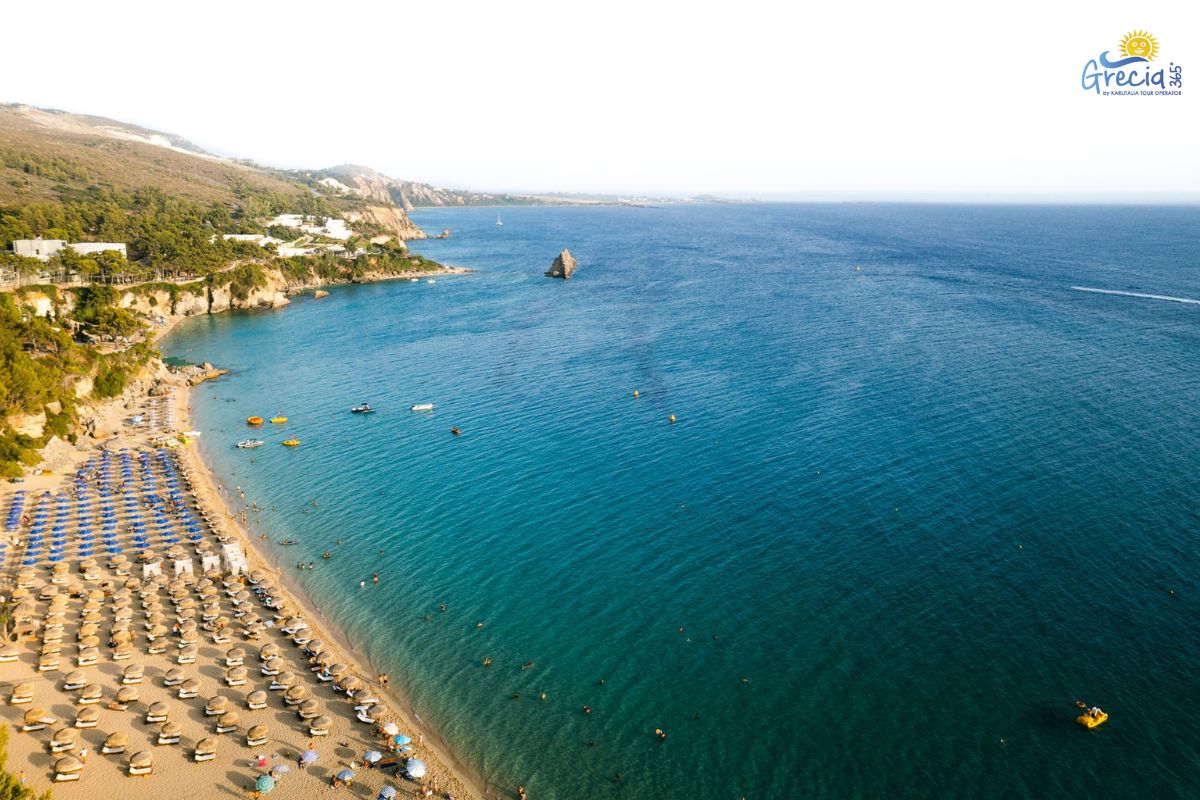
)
(908, 514)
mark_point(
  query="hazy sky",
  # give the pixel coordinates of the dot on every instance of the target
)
(912, 99)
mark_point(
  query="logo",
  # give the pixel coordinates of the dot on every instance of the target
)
(1130, 72)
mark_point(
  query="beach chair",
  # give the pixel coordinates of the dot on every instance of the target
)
(206, 749)
(74, 681)
(67, 768)
(256, 736)
(216, 706)
(115, 743)
(227, 722)
(64, 739)
(309, 709)
(158, 712)
(168, 733)
(90, 695)
(141, 764)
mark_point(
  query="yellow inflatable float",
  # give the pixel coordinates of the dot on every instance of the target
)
(1092, 718)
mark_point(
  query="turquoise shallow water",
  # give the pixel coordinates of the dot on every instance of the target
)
(922, 506)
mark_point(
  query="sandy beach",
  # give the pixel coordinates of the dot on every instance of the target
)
(92, 596)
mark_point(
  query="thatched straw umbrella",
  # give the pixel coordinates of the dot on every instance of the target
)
(256, 736)
(64, 739)
(206, 749)
(127, 695)
(169, 733)
(173, 677)
(295, 695)
(256, 700)
(90, 694)
(235, 657)
(319, 726)
(87, 717)
(158, 712)
(141, 763)
(115, 743)
(67, 768)
(309, 709)
(228, 722)
(132, 674)
(216, 706)
(236, 676)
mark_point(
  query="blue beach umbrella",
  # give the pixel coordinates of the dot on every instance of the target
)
(387, 793)
(401, 739)
(264, 784)
(346, 775)
(372, 756)
(309, 757)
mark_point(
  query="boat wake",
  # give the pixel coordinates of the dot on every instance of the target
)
(1138, 294)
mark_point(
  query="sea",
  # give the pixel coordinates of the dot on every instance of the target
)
(848, 500)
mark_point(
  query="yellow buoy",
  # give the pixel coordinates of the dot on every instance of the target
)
(635, 392)
(671, 418)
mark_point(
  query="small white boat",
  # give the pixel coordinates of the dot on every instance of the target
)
(362, 408)
(414, 280)
(191, 433)
(498, 222)
(430, 280)
(246, 444)
(422, 407)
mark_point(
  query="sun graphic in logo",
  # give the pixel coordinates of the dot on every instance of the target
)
(1140, 44)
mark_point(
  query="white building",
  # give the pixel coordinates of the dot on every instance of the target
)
(84, 248)
(254, 238)
(43, 249)
(38, 248)
(287, 220)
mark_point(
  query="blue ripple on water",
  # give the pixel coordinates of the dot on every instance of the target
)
(924, 505)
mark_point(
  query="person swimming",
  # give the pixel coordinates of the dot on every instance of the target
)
(487, 661)
(661, 734)
(587, 709)
(326, 555)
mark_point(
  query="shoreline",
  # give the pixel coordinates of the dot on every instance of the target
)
(210, 493)
(27, 753)
(213, 496)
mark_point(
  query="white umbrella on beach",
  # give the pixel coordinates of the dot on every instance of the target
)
(309, 757)
(387, 793)
(415, 767)
(391, 729)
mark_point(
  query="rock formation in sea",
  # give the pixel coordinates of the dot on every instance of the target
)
(563, 265)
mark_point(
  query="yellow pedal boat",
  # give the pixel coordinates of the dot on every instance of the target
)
(1089, 721)
(278, 420)
(254, 420)
(291, 442)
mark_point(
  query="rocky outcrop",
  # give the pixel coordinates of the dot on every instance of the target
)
(391, 218)
(319, 293)
(563, 265)
(31, 425)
